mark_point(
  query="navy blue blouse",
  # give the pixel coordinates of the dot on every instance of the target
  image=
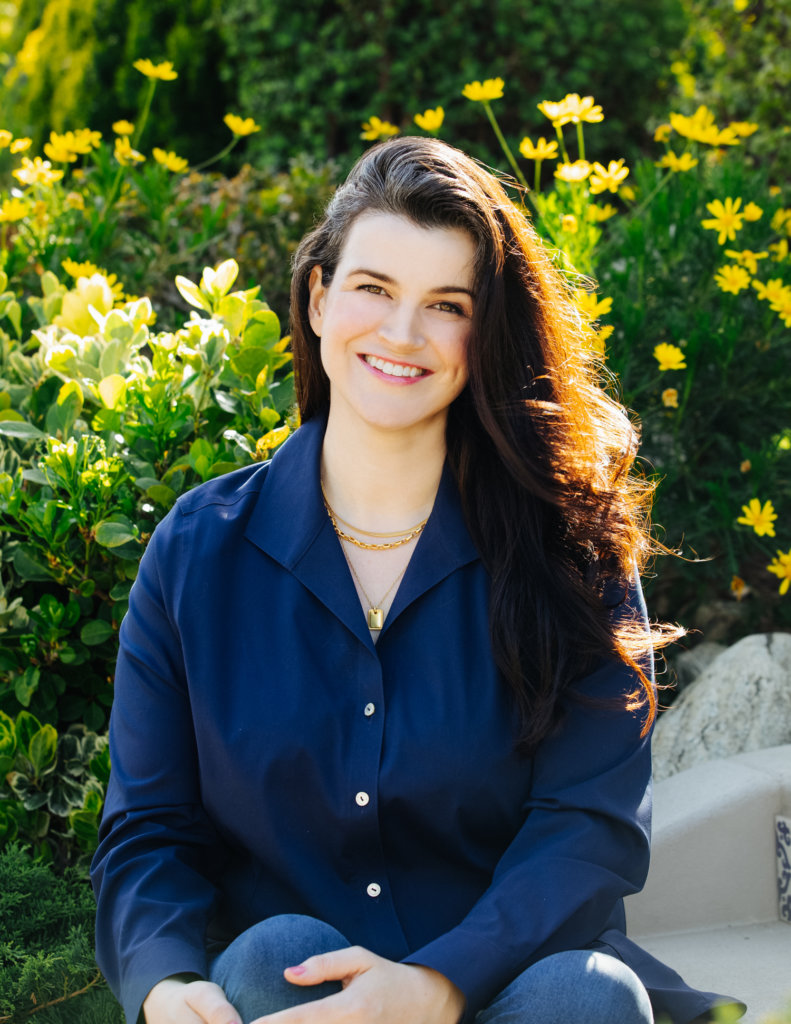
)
(267, 758)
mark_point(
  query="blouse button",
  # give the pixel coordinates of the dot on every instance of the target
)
(374, 889)
(369, 710)
(362, 799)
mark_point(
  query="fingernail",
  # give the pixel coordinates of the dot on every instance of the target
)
(299, 969)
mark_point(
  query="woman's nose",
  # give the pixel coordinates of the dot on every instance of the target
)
(401, 328)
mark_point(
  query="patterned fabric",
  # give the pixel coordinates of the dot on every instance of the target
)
(783, 841)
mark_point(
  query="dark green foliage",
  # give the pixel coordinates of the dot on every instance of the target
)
(741, 61)
(73, 68)
(310, 73)
(46, 945)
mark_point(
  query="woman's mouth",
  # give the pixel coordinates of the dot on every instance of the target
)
(394, 369)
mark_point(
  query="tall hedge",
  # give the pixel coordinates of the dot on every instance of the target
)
(312, 72)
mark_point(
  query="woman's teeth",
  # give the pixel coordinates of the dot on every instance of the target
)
(394, 369)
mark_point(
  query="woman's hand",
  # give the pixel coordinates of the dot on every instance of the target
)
(375, 991)
(173, 1001)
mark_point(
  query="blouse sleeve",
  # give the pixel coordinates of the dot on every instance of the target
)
(583, 844)
(158, 852)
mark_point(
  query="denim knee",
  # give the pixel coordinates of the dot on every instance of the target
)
(579, 985)
(250, 970)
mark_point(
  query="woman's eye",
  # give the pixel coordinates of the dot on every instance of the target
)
(374, 289)
(450, 307)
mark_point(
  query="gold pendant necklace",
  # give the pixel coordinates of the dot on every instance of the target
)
(376, 616)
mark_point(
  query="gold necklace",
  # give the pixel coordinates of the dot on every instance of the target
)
(376, 616)
(405, 536)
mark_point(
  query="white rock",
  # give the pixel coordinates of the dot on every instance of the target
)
(742, 701)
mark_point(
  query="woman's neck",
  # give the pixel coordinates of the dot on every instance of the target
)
(378, 480)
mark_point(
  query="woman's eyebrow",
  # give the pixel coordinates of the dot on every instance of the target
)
(446, 289)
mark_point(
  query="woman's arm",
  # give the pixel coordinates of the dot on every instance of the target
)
(158, 852)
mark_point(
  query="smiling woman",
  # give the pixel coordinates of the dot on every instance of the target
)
(380, 741)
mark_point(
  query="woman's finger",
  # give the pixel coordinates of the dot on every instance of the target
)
(339, 965)
(209, 1002)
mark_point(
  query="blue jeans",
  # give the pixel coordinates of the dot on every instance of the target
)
(577, 987)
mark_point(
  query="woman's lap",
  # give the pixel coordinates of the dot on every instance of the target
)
(578, 985)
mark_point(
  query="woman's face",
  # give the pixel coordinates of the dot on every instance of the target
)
(394, 323)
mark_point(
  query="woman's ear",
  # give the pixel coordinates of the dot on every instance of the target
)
(316, 300)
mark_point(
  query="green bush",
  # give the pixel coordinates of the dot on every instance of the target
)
(47, 969)
(736, 59)
(312, 73)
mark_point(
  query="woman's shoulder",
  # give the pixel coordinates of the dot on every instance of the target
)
(229, 489)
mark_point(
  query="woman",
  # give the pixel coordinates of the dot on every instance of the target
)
(380, 737)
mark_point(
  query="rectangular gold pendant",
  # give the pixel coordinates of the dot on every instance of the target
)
(376, 618)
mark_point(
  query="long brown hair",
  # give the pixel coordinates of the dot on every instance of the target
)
(542, 454)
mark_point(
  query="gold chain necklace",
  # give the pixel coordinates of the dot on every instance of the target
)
(404, 536)
(376, 616)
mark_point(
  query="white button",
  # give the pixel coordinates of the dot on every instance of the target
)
(369, 710)
(362, 799)
(374, 889)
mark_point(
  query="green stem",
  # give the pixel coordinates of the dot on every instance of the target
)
(505, 147)
(655, 191)
(580, 141)
(517, 171)
(218, 156)
(562, 143)
(141, 121)
(537, 177)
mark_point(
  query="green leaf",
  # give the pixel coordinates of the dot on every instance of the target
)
(43, 749)
(250, 361)
(27, 562)
(191, 293)
(26, 685)
(26, 726)
(25, 431)
(11, 416)
(121, 590)
(263, 329)
(224, 276)
(112, 533)
(162, 494)
(95, 632)
(112, 390)
(7, 742)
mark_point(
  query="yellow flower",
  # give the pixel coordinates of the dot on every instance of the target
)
(746, 466)
(670, 398)
(725, 218)
(740, 5)
(773, 291)
(739, 588)
(685, 162)
(700, 127)
(582, 109)
(169, 160)
(542, 150)
(124, 153)
(744, 129)
(578, 171)
(600, 213)
(781, 221)
(123, 127)
(241, 125)
(61, 148)
(779, 250)
(36, 172)
(430, 120)
(662, 133)
(669, 357)
(747, 258)
(733, 279)
(5, 138)
(760, 517)
(781, 567)
(75, 201)
(752, 212)
(610, 177)
(556, 112)
(569, 223)
(774, 190)
(162, 71)
(75, 269)
(714, 136)
(264, 445)
(376, 128)
(783, 307)
(591, 307)
(627, 192)
(20, 145)
(482, 92)
(83, 140)
(13, 209)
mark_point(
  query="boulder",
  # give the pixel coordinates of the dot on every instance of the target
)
(740, 702)
(690, 664)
